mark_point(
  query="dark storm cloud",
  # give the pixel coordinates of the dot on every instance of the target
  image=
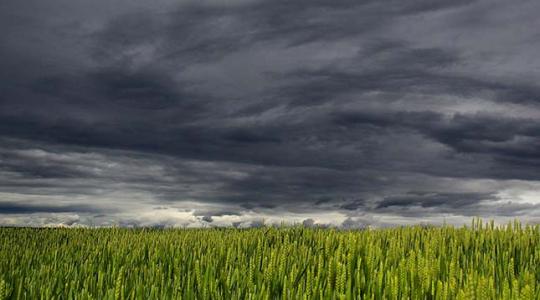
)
(416, 76)
(14, 208)
(384, 66)
(39, 169)
(416, 204)
(233, 111)
(512, 140)
(208, 214)
(207, 219)
(353, 205)
(201, 32)
(426, 199)
(275, 187)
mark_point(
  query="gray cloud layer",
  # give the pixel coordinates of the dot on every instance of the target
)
(204, 113)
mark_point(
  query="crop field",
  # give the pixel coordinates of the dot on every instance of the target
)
(481, 261)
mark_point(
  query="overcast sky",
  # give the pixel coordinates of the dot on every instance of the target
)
(214, 113)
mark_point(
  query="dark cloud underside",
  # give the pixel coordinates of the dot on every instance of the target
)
(206, 113)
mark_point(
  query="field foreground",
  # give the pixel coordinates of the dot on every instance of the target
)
(478, 262)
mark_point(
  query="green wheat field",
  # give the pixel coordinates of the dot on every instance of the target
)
(481, 261)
